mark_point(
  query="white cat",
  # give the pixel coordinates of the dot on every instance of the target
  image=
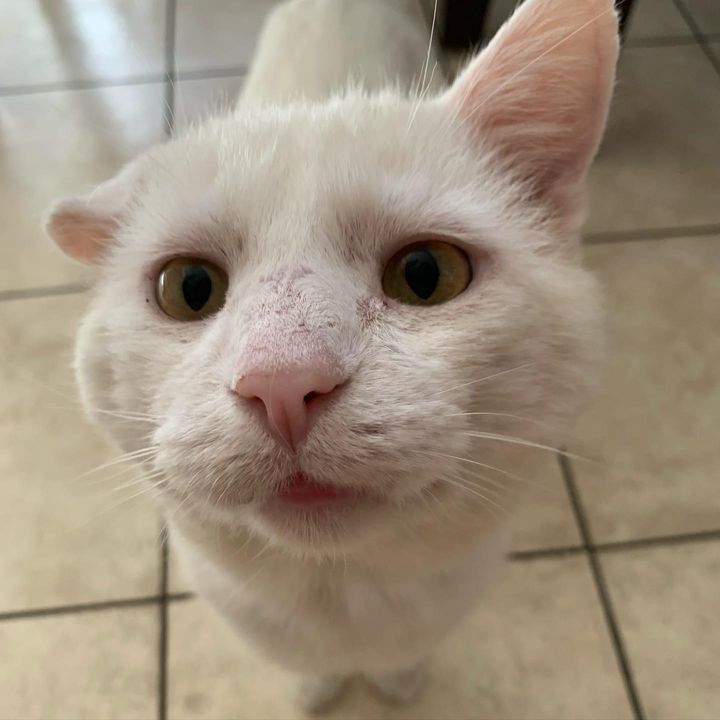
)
(334, 316)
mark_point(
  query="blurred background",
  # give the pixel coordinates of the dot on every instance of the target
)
(609, 606)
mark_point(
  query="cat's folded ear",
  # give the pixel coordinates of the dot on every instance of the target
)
(85, 227)
(540, 92)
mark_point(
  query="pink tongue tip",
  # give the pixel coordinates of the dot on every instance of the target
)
(302, 490)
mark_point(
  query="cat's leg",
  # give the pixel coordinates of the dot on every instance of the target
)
(401, 685)
(317, 692)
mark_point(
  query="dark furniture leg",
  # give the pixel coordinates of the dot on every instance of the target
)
(624, 9)
(465, 20)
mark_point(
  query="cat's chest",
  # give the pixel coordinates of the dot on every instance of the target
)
(336, 617)
(352, 603)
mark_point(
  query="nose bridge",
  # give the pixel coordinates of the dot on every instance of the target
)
(292, 354)
(292, 322)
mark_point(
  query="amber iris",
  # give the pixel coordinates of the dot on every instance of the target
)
(191, 289)
(427, 273)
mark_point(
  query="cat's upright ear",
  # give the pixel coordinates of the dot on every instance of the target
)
(84, 227)
(540, 93)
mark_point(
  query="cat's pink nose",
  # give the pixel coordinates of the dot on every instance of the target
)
(289, 399)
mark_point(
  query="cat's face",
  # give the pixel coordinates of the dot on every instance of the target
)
(312, 242)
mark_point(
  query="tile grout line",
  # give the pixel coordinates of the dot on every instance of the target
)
(618, 546)
(129, 80)
(690, 538)
(213, 73)
(84, 84)
(162, 686)
(698, 34)
(660, 233)
(41, 292)
(545, 553)
(170, 65)
(593, 238)
(169, 81)
(79, 608)
(601, 587)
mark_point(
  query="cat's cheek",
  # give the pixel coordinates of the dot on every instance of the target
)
(97, 383)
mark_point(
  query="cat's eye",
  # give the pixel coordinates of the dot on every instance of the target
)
(427, 273)
(191, 289)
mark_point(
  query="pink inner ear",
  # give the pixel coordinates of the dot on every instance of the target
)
(80, 232)
(83, 227)
(540, 92)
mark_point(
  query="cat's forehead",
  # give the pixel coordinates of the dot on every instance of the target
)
(351, 180)
(354, 164)
(302, 149)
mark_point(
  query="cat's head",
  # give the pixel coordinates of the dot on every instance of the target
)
(321, 316)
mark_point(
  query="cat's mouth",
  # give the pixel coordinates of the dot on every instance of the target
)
(305, 496)
(304, 507)
(303, 491)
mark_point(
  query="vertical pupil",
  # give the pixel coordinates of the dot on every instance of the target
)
(196, 286)
(422, 273)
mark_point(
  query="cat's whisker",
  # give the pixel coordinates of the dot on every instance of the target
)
(148, 489)
(149, 424)
(105, 479)
(112, 492)
(74, 402)
(530, 444)
(133, 414)
(128, 418)
(117, 415)
(224, 491)
(426, 64)
(540, 57)
(526, 488)
(148, 451)
(478, 482)
(509, 416)
(49, 388)
(477, 463)
(483, 379)
(262, 551)
(262, 567)
(438, 505)
(473, 491)
(416, 109)
(181, 509)
(138, 481)
(619, 471)
(499, 485)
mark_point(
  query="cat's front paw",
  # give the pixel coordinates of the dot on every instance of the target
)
(317, 693)
(403, 685)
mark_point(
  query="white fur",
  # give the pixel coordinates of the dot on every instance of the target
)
(302, 194)
(309, 49)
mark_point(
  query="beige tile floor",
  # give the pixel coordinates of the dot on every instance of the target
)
(608, 608)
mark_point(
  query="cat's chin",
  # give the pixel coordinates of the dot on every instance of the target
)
(302, 513)
(322, 520)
